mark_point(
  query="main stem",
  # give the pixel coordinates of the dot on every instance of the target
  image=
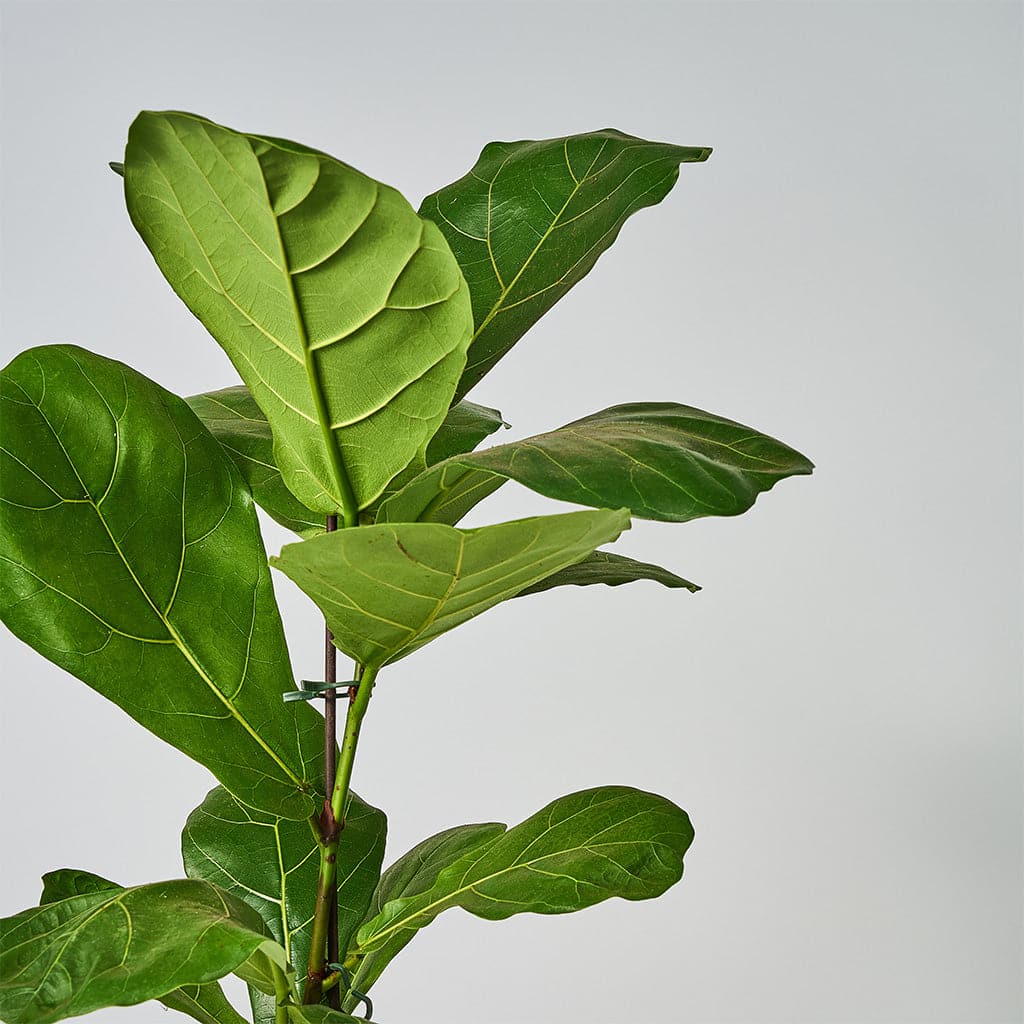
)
(332, 822)
(330, 744)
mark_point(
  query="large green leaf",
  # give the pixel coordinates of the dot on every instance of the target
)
(234, 418)
(658, 459)
(118, 947)
(412, 874)
(204, 1003)
(344, 312)
(531, 218)
(272, 864)
(611, 569)
(387, 590)
(579, 850)
(131, 556)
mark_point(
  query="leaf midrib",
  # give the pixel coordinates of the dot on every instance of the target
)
(506, 289)
(343, 485)
(402, 923)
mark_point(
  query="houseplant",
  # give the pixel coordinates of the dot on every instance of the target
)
(132, 555)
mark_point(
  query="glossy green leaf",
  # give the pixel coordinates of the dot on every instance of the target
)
(272, 863)
(388, 590)
(611, 569)
(204, 1003)
(131, 557)
(579, 850)
(118, 947)
(412, 874)
(658, 459)
(343, 311)
(531, 218)
(234, 418)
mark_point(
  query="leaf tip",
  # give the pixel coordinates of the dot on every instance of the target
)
(117, 167)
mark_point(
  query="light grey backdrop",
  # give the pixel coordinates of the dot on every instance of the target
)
(840, 709)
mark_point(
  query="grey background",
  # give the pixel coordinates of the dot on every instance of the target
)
(840, 709)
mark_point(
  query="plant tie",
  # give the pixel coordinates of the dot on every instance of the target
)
(312, 689)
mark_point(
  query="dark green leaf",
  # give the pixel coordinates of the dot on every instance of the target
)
(611, 569)
(387, 590)
(465, 426)
(531, 218)
(131, 556)
(658, 459)
(577, 851)
(272, 864)
(343, 311)
(234, 418)
(320, 1015)
(204, 1003)
(412, 874)
(118, 947)
(64, 883)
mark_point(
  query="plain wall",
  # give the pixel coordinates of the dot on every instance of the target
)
(840, 708)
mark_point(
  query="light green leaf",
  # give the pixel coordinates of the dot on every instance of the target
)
(119, 947)
(658, 459)
(272, 864)
(131, 557)
(388, 590)
(611, 569)
(343, 311)
(412, 874)
(531, 218)
(234, 418)
(579, 850)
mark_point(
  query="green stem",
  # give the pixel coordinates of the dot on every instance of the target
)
(353, 723)
(332, 823)
(281, 996)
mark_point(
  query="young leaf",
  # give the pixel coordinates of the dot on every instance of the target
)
(118, 947)
(531, 218)
(343, 311)
(204, 1003)
(658, 459)
(388, 590)
(465, 426)
(611, 569)
(234, 418)
(579, 850)
(271, 863)
(414, 873)
(131, 557)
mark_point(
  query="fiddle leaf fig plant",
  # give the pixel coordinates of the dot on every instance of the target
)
(131, 554)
